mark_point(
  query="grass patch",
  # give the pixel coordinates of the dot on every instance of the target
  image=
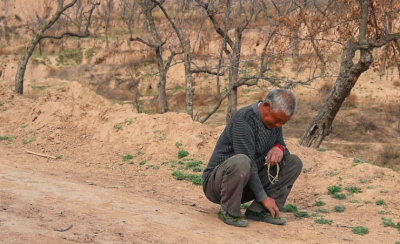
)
(182, 153)
(59, 156)
(334, 189)
(28, 141)
(127, 157)
(4, 138)
(195, 179)
(319, 203)
(320, 149)
(384, 212)
(290, 208)
(339, 196)
(384, 191)
(197, 169)
(354, 201)
(363, 181)
(193, 164)
(302, 214)
(23, 126)
(387, 222)
(381, 202)
(118, 127)
(177, 89)
(321, 210)
(334, 172)
(156, 167)
(142, 162)
(354, 189)
(305, 171)
(339, 208)
(323, 221)
(360, 230)
(178, 144)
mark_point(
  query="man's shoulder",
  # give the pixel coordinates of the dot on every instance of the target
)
(244, 113)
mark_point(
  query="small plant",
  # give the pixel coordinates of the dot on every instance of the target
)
(193, 164)
(334, 189)
(323, 221)
(156, 167)
(397, 242)
(354, 189)
(23, 126)
(59, 156)
(360, 230)
(127, 157)
(339, 208)
(178, 144)
(130, 121)
(305, 171)
(195, 179)
(384, 191)
(334, 172)
(142, 162)
(354, 201)
(320, 149)
(3, 138)
(388, 222)
(321, 210)
(381, 202)
(363, 180)
(384, 212)
(339, 196)
(1, 104)
(367, 202)
(197, 169)
(319, 203)
(290, 208)
(118, 127)
(28, 141)
(302, 214)
(182, 153)
(131, 162)
(370, 187)
(120, 164)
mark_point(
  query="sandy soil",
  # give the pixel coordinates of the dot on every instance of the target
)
(108, 200)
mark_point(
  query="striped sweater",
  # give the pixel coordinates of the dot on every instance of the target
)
(246, 134)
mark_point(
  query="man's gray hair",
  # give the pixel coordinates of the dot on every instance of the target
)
(282, 100)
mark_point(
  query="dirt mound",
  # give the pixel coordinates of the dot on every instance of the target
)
(90, 135)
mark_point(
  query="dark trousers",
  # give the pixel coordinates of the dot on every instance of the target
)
(227, 184)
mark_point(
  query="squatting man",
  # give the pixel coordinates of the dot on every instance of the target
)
(251, 162)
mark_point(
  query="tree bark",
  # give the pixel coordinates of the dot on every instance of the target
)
(233, 75)
(188, 79)
(23, 62)
(296, 50)
(321, 125)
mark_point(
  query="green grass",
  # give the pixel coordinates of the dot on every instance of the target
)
(380, 202)
(28, 141)
(334, 189)
(1, 104)
(305, 171)
(178, 144)
(127, 157)
(339, 208)
(384, 212)
(118, 127)
(177, 89)
(387, 222)
(131, 162)
(319, 203)
(182, 153)
(245, 206)
(320, 149)
(323, 221)
(193, 164)
(156, 167)
(339, 196)
(302, 214)
(197, 169)
(354, 201)
(142, 162)
(195, 179)
(321, 210)
(363, 180)
(59, 156)
(3, 138)
(290, 208)
(360, 230)
(384, 191)
(334, 172)
(23, 126)
(354, 189)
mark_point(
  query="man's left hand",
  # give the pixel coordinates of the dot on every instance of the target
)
(274, 156)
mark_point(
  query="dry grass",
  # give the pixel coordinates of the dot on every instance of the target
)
(180, 99)
(259, 95)
(326, 87)
(4, 52)
(396, 83)
(389, 156)
(351, 101)
(200, 99)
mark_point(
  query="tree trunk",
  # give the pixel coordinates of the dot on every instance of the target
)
(188, 79)
(296, 50)
(19, 78)
(233, 75)
(319, 55)
(162, 95)
(321, 125)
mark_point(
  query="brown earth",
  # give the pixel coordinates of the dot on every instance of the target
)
(108, 200)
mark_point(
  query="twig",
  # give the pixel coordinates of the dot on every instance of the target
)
(41, 155)
(63, 230)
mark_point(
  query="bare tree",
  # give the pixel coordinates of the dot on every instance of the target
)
(157, 44)
(371, 35)
(41, 35)
(129, 11)
(105, 12)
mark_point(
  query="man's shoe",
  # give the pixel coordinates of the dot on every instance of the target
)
(265, 217)
(230, 220)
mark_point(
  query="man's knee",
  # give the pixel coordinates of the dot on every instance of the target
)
(294, 162)
(241, 163)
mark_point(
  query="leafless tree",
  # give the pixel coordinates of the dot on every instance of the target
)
(41, 35)
(105, 11)
(129, 11)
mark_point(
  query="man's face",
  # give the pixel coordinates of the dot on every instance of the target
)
(271, 118)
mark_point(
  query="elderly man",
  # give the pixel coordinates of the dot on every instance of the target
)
(251, 161)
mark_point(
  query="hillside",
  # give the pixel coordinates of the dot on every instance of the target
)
(109, 198)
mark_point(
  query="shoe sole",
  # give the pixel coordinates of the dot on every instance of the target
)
(256, 218)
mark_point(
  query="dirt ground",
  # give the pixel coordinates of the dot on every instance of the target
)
(108, 200)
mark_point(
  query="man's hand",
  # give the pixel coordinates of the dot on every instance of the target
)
(269, 203)
(274, 156)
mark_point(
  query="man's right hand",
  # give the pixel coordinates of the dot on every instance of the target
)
(269, 203)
